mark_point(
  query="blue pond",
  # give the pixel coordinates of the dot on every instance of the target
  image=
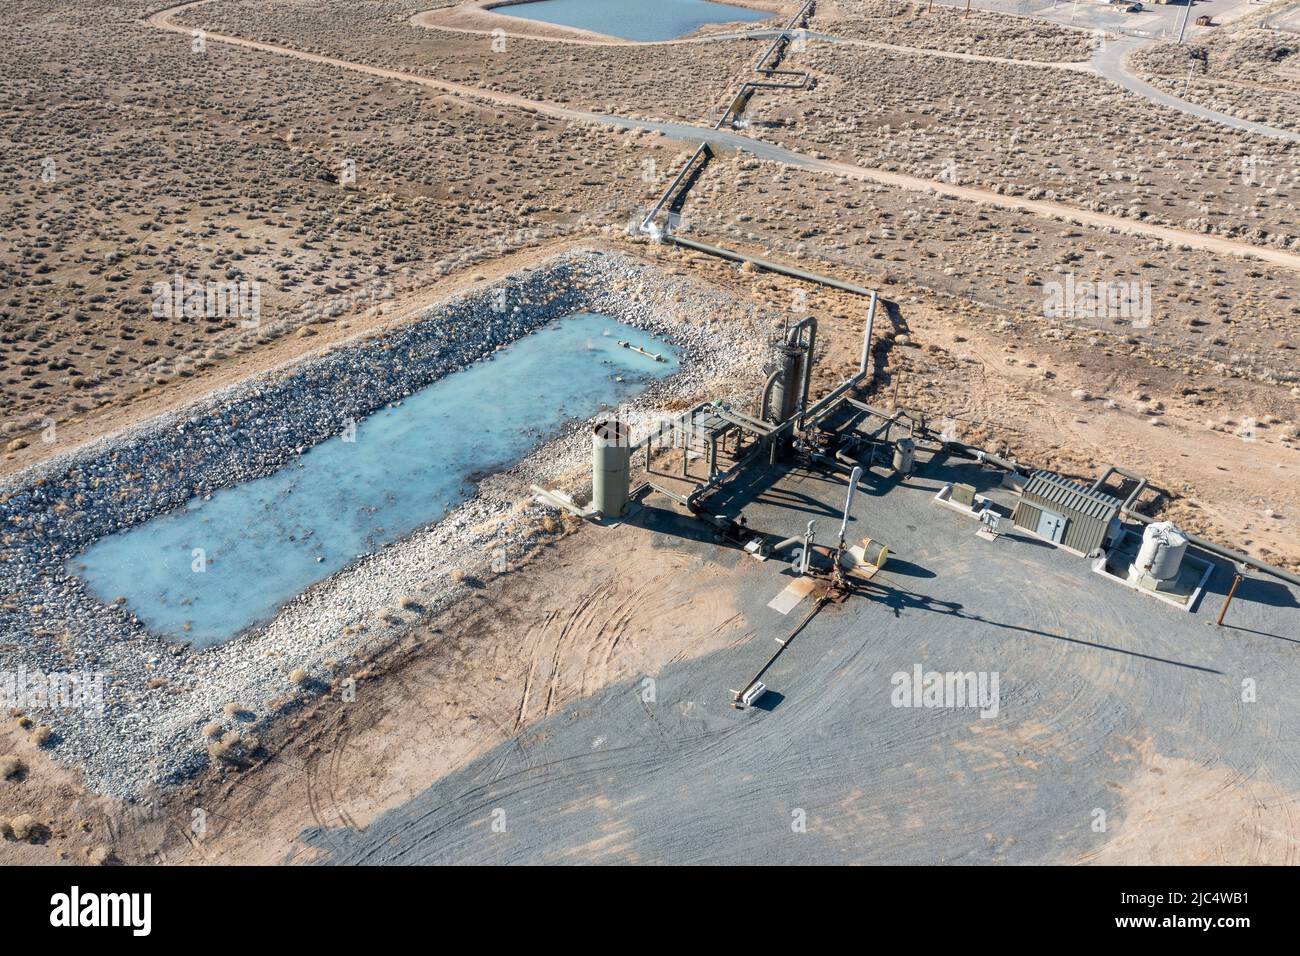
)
(267, 540)
(644, 20)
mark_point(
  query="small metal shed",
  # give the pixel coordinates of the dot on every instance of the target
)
(1067, 512)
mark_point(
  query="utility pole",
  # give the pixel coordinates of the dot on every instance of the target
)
(1183, 26)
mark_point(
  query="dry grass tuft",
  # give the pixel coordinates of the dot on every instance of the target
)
(101, 856)
(234, 749)
(27, 828)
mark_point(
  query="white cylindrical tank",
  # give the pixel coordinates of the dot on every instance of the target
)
(1163, 547)
(611, 455)
(904, 456)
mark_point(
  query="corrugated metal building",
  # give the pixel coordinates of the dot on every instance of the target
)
(1067, 513)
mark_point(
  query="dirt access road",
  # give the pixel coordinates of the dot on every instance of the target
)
(164, 20)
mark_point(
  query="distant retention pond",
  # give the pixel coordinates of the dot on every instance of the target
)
(212, 568)
(643, 20)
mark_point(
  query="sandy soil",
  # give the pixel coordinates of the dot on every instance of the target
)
(432, 195)
(680, 80)
(1016, 131)
(1206, 401)
(451, 690)
(1239, 68)
(940, 172)
(1178, 812)
(921, 24)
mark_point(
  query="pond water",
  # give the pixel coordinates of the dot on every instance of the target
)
(211, 568)
(644, 20)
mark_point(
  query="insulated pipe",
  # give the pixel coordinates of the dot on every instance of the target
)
(815, 413)
(765, 409)
(806, 539)
(796, 538)
(848, 502)
(782, 37)
(832, 463)
(671, 494)
(645, 223)
(866, 335)
(768, 266)
(970, 451)
(1221, 551)
(787, 542)
(888, 421)
(704, 489)
(1125, 472)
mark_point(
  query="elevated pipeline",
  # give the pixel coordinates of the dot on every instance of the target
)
(768, 265)
(775, 52)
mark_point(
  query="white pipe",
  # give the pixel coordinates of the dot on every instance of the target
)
(807, 547)
(848, 502)
(866, 336)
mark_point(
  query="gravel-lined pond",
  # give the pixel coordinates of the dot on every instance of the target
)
(208, 570)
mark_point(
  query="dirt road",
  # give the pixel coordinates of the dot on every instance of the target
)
(1111, 62)
(165, 20)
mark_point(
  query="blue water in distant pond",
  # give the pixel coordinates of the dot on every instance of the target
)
(643, 20)
(267, 540)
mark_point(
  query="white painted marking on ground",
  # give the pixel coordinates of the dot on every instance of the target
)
(794, 592)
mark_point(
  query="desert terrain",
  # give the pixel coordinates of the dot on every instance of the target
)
(371, 167)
